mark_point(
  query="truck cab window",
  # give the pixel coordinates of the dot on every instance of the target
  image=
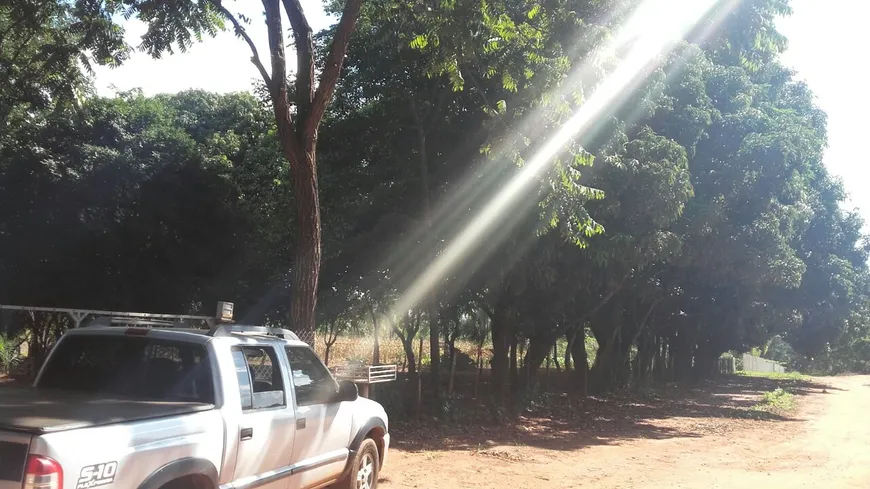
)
(311, 379)
(133, 367)
(260, 382)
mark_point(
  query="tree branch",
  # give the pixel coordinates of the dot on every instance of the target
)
(255, 56)
(432, 117)
(304, 42)
(334, 61)
(487, 310)
(290, 141)
(485, 100)
(398, 331)
(276, 47)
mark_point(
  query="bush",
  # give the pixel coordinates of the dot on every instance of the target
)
(10, 353)
(776, 401)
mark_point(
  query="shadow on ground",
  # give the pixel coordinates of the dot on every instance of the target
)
(559, 422)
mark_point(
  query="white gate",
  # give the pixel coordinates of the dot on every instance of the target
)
(751, 363)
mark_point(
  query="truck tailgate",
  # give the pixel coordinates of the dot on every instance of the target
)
(13, 457)
(38, 411)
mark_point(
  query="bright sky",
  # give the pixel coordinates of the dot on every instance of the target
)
(221, 64)
(822, 37)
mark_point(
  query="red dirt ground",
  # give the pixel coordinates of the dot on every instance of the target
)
(705, 438)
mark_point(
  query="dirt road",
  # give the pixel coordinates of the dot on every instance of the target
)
(711, 441)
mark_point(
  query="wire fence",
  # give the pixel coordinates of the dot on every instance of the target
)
(307, 336)
(350, 349)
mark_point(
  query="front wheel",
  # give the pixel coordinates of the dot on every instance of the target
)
(364, 471)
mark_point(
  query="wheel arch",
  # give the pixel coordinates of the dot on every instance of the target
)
(185, 468)
(374, 428)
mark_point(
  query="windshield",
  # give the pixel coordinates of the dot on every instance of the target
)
(131, 366)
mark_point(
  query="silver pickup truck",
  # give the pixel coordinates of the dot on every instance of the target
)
(231, 408)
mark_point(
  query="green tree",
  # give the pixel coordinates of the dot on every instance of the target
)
(43, 46)
(120, 204)
(298, 109)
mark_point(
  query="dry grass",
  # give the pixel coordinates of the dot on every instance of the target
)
(359, 348)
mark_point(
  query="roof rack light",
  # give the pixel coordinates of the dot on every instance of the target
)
(225, 311)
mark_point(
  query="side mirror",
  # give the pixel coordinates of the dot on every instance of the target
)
(347, 391)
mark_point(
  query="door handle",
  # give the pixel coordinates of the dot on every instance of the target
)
(300, 423)
(246, 434)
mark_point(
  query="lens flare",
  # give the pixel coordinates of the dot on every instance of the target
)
(650, 33)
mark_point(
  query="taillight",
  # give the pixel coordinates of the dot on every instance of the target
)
(43, 473)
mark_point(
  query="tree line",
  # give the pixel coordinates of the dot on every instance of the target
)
(694, 217)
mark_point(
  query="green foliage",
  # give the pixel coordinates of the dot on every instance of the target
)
(135, 192)
(10, 353)
(778, 400)
(695, 217)
(43, 46)
(789, 376)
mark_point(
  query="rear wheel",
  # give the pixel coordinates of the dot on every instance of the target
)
(189, 482)
(364, 469)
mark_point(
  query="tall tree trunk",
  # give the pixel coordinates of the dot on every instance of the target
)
(547, 375)
(644, 361)
(706, 360)
(660, 362)
(612, 367)
(637, 368)
(331, 338)
(326, 354)
(556, 356)
(306, 266)
(453, 333)
(570, 336)
(434, 351)
(420, 377)
(376, 347)
(581, 362)
(684, 351)
(452, 379)
(479, 371)
(430, 300)
(407, 333)
(306, 269)
(604, 374)
(514, 373)
(537, 353)
(298, 133)
(502, 330)
(408, 346)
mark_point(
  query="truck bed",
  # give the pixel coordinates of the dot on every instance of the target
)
(38, 411)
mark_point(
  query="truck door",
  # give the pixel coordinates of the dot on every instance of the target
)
(266, 429)
(323, 425)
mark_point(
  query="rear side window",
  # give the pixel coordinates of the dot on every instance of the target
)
(261, 384)
(136, 367)
(13, 457)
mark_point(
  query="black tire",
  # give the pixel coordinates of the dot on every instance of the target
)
(364, 468)
(190, 482)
